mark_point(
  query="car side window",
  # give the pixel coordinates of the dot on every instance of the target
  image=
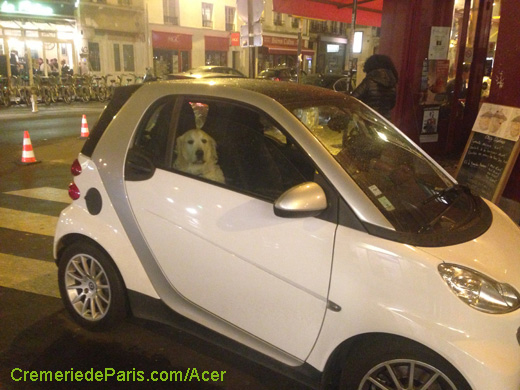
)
(239, 148)
(152, 136)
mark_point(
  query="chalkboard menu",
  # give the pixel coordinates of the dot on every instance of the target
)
(491, 151)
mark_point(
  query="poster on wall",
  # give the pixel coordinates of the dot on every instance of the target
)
(498, 121)
(429, 128)
(437, 80)
(439, 43)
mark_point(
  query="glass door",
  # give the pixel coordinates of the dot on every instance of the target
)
(471, 54)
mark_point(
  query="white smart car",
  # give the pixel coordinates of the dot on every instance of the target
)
(296, 225)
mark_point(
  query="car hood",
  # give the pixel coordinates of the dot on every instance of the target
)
(495, 253)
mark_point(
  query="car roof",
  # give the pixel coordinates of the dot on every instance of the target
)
(201, 74)
(285, 93)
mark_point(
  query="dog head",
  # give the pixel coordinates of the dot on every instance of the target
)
(196, 147)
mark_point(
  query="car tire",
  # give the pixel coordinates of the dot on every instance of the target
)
(91, 287)
(384, 361)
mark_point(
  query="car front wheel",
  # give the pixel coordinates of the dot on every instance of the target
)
(399, 365)
(91, 287)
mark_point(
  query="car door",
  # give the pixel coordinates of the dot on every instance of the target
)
(220, 245)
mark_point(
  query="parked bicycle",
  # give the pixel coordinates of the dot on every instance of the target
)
(41, 89)
(59, 90)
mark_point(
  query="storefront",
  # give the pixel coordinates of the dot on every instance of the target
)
(171, 52)
(216, 50)
(331, 54)
(283, 51)
(30, 31)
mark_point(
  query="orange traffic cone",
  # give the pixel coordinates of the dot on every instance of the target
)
(27, 153)
(84, 127)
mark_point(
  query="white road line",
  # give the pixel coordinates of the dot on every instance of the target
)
(44, 193)
(28, 222)
(35, 276)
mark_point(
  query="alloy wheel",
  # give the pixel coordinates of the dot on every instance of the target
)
(405, 374)
(88, 287)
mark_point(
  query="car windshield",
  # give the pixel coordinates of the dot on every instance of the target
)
(411, 191)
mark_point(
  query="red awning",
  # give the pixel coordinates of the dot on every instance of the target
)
(216, 43)
(369, 12)
(170, 41)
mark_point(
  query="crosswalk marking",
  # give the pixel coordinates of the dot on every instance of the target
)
(20, 273)
(28, 222)
(44, 193)
(40, 277)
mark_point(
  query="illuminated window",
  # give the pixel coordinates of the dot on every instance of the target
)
(357, 46)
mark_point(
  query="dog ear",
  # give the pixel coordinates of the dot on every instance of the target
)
(213, 148)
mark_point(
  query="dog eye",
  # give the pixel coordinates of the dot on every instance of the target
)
(190, 141)
(204, 140)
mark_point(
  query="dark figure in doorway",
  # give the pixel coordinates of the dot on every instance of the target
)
(14, 63)
(379, 87)
(450, 87)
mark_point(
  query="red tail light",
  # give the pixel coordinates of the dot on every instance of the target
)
(74, 191)
(276, 79)
(75, 168)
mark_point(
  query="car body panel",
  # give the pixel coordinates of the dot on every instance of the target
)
(389, 288)
(230, 255)
(500, 262)
(104, 228)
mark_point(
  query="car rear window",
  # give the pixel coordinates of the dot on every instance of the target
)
(121, 96)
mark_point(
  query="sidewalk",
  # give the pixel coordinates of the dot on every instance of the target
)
(55, 109)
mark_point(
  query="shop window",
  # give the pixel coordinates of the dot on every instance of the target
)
(128, 58)
(94, 56)
(185, 61)
(207, 15)
(117, 58)
(230, 19)
(216, 58)
(170, 12)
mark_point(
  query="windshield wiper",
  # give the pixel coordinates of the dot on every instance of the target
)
(442, 195)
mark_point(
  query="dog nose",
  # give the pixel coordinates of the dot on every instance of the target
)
(199, 154)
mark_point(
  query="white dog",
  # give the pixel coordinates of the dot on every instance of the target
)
(197, 154)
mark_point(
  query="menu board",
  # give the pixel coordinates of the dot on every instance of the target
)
(491, 151)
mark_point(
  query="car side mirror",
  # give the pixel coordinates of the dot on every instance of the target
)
(304, 200)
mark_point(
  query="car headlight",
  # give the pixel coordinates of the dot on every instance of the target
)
(480, 291)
